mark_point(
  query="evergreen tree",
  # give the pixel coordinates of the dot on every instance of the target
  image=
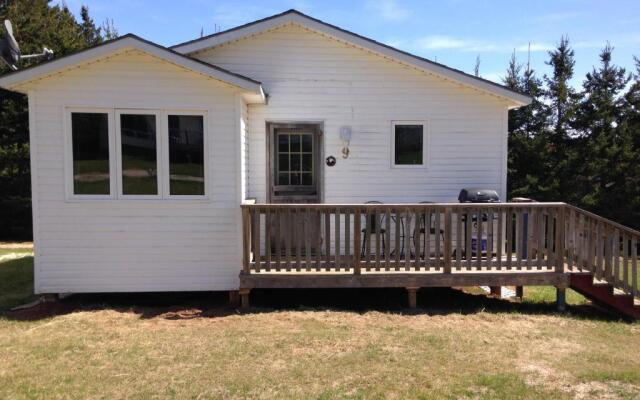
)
(559, 154)
(608, 148)
(630, 128)
(92, 35)
(526, 127)
(36, 23)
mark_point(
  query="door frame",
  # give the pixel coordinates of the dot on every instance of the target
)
(318, 128)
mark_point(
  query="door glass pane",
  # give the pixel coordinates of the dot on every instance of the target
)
(283, 179)
(307, 143)
(90, 143)
(186, 155)
(283, 160)
(295, 143)
(295, 162)
(307, 178)
(295, 178)
(307, 162)
(139, 163)
(283, 143)
(408, 144)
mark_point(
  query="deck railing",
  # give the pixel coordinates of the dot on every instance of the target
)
(439, 238)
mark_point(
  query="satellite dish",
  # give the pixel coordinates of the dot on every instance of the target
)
(9, 47)
(10, 51)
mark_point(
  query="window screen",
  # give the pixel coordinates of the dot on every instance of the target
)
(409, 144)
(90, 143)
(139, 154)
(186, 155)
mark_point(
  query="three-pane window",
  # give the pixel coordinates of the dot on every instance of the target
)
(148, 154)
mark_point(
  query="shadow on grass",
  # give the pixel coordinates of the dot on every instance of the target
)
(190, 305)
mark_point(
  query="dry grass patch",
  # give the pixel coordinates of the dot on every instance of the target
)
(313, 354)
(114, 347)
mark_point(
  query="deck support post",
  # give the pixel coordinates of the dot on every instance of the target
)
(234, 298)
(244, 296)
(496, 291)
(561, 298)
(519, 292)
(412, 296)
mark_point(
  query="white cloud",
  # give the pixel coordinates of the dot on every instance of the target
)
(438, 42)
(389, 9)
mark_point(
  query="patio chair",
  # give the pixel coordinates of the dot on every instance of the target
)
(371, 224)
(421, 228)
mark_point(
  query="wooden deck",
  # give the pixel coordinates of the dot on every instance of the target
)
(432, 245)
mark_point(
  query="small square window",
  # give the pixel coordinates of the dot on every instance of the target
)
(408, 144)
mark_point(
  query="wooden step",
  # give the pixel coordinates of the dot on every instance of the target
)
(604, 295)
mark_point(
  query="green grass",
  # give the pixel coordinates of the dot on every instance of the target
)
(547, 294)
(115, 350)
(16, 277)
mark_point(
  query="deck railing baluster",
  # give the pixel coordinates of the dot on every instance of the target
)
(500, 242)
(387, 233)
(479, 233)
(407, 239)
(356, 241)
(336, 239)
(376, 215)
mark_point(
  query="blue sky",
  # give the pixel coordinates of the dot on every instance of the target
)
(453, 32)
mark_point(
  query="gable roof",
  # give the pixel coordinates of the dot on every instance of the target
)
(129, 41)
(296, 17)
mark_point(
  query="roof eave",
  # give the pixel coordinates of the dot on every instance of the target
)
(16, 80)
(515, 99)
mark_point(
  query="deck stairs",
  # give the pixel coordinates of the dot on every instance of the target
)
(605, 295)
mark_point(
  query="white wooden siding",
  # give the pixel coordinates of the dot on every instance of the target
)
(312, 77)
(135, 245)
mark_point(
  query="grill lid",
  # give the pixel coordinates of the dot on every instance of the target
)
(478, 195)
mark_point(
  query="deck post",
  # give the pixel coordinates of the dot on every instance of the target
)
(561, 298)
(246, 241)
(412, 296)
(448, 237)
(244, 296)
(519, 292)
(234, 298)
(560, 215)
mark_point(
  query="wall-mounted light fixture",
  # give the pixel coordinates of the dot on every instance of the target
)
(345, 136)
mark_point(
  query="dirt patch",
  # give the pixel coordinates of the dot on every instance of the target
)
(549, 378)
(46, 309)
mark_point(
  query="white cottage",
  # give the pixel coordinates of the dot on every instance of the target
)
(142, 155)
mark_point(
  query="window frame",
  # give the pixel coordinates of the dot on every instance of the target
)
(166, 178)
(159, 145)
(68, 153)
(425, 144)
(115, 153)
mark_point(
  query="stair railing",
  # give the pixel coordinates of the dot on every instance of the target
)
(602, 247)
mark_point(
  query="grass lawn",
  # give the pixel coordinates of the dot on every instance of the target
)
(344, 344)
